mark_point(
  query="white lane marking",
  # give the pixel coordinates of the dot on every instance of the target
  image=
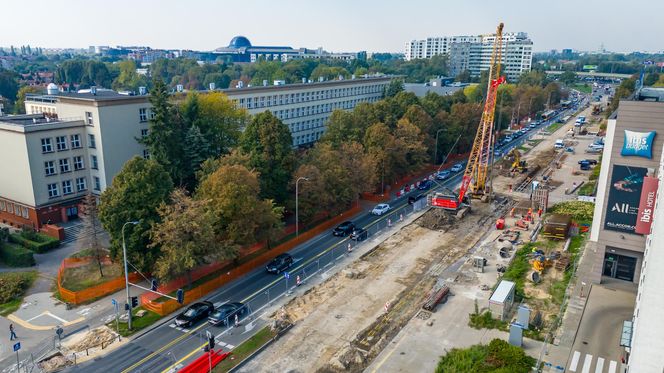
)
(612, 366)
(171, 325)
(219, 304)
(55, 317)
(587, 362)
(575, 361)
(185, 330)
(230, 347)
(600, 365)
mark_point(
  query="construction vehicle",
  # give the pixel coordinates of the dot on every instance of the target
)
(518, 165)
(539, 263)
(476, 178)
(596, 109)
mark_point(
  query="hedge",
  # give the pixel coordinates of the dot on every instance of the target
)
(37, 242)
(16, 256)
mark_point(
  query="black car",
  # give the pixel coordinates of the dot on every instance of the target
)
(589, 161)
(425, 185)
(194, 313)
(225, 314)
(359, 234)
(279, 264)
(415, 198)
(344, 229)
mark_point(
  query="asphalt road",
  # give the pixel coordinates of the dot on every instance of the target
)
(166, 347)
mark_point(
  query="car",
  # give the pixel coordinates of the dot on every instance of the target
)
(344, 229)
(457, 167)
(195, 312)
(596, 146)
(425, 185)
(380, 209)
(225, 314)
(415, 198)
(442, 175)
(589, 161)
(559, 144)
(279, 264)
(509, 138)
(359, 234)
(584, 165)
(497, 152)
(533, 125)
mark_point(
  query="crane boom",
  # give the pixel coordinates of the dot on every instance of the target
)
(479, 161)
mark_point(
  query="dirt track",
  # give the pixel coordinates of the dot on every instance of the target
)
(341, 324)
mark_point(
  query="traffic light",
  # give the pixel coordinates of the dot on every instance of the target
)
(211, 343)
(134, 302)
(180, 296)
(153, 284)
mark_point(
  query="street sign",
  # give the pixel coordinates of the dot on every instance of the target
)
(286, 275)
(114, 302)
(17, 346)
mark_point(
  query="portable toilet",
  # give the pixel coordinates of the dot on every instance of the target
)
(501, 300)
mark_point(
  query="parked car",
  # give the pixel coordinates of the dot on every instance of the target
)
(584, 165)
(596, 146)
(194, 313)
(359, 234)
(559, 144)
(425, 185)
(279, 264)
(497, 152)
(533, 125)
(442, 175)
(509, 138)
(380, 209)
(457, 167)
(415, 198)
(344, 229)
(589, 161)
(225, 314)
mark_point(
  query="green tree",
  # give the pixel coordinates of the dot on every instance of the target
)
(241, 216)
(135, 194)
(8, 84)
(167, 130)
(196, 150)
(395, 86)
(128, 79)
(91, 227)
(341, 128)
(267, 141)
(568, 77)
(464, 76)
(650, 79)
(184, 238)
(313, 197)
(220, 121)
(19, 106)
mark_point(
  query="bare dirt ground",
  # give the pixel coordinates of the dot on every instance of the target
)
(341, 324)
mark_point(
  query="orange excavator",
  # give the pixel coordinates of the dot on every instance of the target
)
(475, 182)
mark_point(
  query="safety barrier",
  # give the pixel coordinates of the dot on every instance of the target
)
(93, 292)
(205, 362)
(228, 272)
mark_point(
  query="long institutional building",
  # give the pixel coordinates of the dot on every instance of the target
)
(69, 144)
(473, 53)
(628, 223)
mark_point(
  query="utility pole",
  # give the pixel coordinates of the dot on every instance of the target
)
(297, 207)
(124, 257)
(435, 157)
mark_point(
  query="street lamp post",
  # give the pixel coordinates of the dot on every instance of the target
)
(124, 257)
(297, 207)
(435, 156)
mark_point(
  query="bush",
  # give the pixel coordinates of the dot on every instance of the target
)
(579, 211)
(498, 356)
(13, 286)
(37, 242)
(16, 256)
(519, 268)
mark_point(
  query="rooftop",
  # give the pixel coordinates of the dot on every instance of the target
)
(650, 94)
(34, 121)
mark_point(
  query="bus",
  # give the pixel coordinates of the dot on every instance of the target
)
(565, 104)
(548, 115)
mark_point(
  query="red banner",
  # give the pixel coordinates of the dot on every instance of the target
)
(646, 205)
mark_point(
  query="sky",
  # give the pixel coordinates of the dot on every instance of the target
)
(335, 25)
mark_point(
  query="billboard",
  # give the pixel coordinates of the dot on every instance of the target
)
(589, 67)
(638, 144)
(624, 195)
(646, 205)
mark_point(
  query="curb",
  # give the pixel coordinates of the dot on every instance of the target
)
(261, 349)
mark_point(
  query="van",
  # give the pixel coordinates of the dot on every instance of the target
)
(559, 144)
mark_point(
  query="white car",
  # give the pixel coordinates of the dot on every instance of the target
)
(380, 209)
(457, 167)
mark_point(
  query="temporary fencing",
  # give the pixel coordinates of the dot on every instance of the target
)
(228, 271)
(94, 292)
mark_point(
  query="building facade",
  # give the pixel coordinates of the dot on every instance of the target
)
(473, 53)
(70, 144)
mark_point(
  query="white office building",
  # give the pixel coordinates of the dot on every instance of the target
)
(473, 53)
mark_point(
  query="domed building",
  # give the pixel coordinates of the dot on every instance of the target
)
(239, 42)
(240, 50)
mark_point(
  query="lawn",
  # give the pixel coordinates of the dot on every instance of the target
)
(79, 278)
(137, 323)
(245, 349)
(587, 189)
(554, 127)
(585, 88)
(13, 286)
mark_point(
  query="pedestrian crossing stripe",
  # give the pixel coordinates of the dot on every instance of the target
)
(575, 361)
(588, 363)
(612, 366)
(600, 365)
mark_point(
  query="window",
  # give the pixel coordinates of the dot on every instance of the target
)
(53, 190)
(10, 207)
(75, 141)
(93, 162)
(144, 133)
(81, 185)
(64, 165)
(2, 205)
(49, 168)
(47, 147)
(91, 141)
(24, 212)
(66, 187)
(151, 113)
(61, 143)
(78, 163)
(143, 115)
(146, 154)
(97, 183)
(88, 117)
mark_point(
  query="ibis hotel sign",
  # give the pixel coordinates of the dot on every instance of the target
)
(638, 144)
(646, 205)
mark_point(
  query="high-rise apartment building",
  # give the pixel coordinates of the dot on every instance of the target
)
(72, 143)
(473, 53)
